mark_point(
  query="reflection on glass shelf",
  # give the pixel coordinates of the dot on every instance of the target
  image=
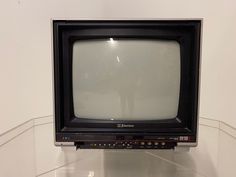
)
(123, 164)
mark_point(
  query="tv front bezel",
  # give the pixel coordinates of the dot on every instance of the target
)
(186, 32)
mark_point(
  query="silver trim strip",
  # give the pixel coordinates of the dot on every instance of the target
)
(64, 143)
(187, 144)
(199, 81)
(53, 94)
(117, 19)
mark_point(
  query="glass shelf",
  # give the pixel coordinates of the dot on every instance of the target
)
(126, 163)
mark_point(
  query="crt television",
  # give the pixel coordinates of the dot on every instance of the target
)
(126, 84)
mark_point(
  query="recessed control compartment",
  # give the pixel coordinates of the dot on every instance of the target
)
(125, 145)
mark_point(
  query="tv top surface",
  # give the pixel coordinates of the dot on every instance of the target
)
(126, 79)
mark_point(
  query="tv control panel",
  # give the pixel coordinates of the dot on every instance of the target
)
(126, 145)
(124, 141)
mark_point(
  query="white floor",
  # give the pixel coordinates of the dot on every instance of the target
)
(28, 151)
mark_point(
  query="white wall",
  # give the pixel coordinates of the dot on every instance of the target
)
(218, 94)
(25, 55)
(25, 50)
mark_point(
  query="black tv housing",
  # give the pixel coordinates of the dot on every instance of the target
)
(109, 134)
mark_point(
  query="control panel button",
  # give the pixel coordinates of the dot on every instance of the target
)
(142, 143)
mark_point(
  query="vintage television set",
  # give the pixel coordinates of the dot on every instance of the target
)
(126, 84)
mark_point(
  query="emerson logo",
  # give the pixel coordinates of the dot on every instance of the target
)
(125, 125)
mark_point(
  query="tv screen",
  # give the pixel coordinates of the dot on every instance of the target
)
(126, 79)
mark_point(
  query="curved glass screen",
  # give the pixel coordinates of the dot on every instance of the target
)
(126, 79)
